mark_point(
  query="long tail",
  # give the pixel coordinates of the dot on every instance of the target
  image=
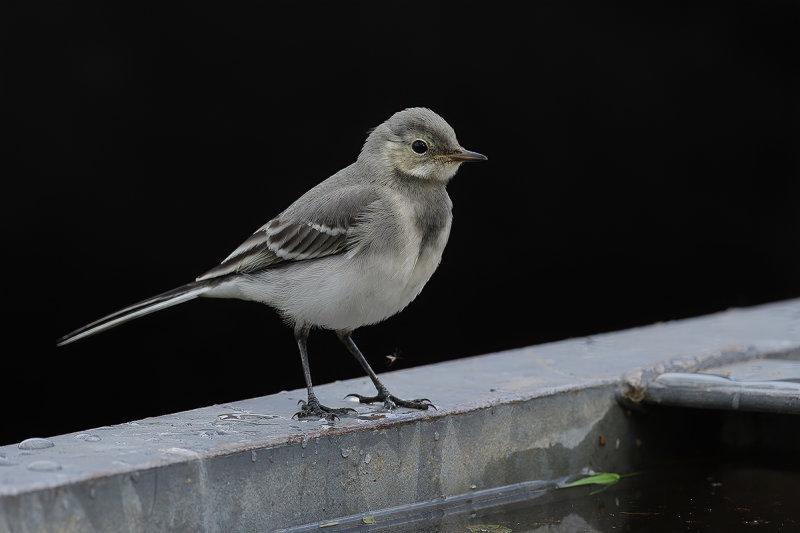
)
(184, 293)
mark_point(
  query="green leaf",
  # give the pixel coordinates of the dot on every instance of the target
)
(603, 478)
(369, 520)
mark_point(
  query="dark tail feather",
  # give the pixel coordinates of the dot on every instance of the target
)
(187, 292)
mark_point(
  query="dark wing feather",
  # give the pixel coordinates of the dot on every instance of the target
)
(306, 230)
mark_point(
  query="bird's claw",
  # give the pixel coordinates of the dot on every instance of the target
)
(391, 402)
(314, 409)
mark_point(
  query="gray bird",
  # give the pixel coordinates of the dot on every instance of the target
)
(352, 251)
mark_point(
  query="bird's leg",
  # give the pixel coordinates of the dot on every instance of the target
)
(312, 408)
(390, 401)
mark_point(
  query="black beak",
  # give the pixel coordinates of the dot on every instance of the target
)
(464, 155)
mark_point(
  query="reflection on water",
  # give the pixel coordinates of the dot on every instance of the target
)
(689, 497)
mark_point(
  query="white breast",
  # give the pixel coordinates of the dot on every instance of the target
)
(350, 290)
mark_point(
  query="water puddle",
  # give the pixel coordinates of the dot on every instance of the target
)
(701, 496)
(689, 497)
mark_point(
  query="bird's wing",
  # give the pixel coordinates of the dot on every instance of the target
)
(318, 224)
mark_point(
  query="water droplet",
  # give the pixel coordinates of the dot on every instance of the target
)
(35, 443)
(435, 435)
(247, 418)
(88, 437)
(345, 452)
(367, 459)
(44, 466)
(5, 461)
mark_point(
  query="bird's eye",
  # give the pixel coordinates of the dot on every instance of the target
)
(419, 146)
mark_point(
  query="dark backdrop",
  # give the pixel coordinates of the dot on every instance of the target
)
(643, 166)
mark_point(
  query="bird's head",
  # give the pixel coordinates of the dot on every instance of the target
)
(417, 142)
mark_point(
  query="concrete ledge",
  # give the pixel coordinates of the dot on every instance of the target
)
(535, 413)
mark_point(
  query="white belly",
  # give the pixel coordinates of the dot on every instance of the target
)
(337, 292)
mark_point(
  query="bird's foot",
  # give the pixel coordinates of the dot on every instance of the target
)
(313, 409)
(390, 401)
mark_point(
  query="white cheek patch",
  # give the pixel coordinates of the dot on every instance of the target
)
(448, 171)
(422, 171)
(435, 171)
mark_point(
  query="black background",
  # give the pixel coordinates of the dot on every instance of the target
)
(643, 166)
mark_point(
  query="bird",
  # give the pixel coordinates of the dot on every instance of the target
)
(352, 251)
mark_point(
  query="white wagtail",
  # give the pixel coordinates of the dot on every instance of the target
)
(352, 251)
